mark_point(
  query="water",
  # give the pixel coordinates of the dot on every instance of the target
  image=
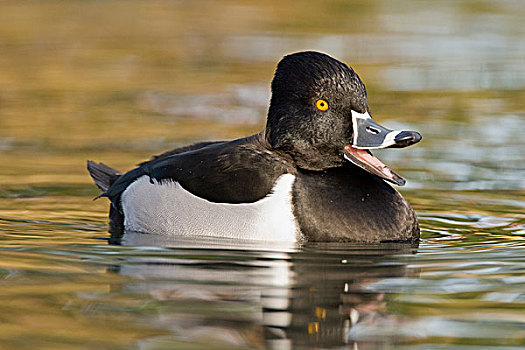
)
(119, 81)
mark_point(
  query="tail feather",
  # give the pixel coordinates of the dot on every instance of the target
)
(102, 174)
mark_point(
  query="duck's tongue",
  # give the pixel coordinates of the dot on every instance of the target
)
(365, 159)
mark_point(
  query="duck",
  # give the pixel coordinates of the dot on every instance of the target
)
(309, 175)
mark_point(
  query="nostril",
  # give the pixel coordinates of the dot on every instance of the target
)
(372, 130)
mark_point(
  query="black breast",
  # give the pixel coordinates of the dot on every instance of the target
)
(349, 204)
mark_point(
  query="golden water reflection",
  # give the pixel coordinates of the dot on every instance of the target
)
(118, 81)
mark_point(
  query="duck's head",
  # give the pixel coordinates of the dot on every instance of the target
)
(319, 115)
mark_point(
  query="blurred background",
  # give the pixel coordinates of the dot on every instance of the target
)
(118, 81)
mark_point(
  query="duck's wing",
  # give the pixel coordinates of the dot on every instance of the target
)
(183, 149)
(240, 171)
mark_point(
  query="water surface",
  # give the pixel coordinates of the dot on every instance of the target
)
(119, 81)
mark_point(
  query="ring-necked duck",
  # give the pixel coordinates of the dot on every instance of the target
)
(309, 175)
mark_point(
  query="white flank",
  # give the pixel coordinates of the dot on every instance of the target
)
(168, 209)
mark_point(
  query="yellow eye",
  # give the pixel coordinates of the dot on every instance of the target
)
(321, 105)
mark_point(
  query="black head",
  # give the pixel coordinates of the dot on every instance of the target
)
(319, 115)
(313, 95)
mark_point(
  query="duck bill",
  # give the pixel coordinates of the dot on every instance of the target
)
(370, 135)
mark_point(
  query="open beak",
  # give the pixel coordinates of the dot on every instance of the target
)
(370, 135)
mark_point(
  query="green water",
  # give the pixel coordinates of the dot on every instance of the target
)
(117, 81)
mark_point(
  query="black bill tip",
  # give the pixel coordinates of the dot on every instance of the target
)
(406, 138)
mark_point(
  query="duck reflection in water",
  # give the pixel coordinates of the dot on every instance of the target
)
(252, 294)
